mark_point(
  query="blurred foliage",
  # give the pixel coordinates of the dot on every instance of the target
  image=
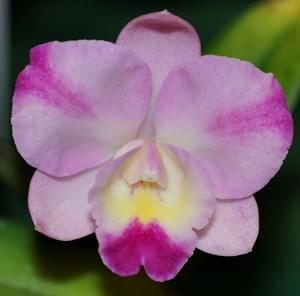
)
(32, 265)
(285, 63)
(268, 35)
(19, 269)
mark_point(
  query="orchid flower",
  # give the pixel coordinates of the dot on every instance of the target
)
(156, 149)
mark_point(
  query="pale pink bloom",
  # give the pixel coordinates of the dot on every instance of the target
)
(152, 147)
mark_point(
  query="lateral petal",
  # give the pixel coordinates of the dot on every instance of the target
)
(230, 115)
(71, 101)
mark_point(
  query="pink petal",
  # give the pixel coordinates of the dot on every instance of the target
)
(232, 116)
(77, 103)
(59, 206)
(233, 229)
(200, 187)
(163, 243)
(162, 40)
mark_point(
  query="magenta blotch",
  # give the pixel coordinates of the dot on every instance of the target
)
(146, 245)
(39, 80)
(266, 116)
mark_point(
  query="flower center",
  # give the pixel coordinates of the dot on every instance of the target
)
(145, 196)
(145, 166)
(146, 174)
(148, 186)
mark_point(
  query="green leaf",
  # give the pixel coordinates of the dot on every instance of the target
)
(32, 265)
(19, 272)
(285, 63)
(258, 31)
(268, 35)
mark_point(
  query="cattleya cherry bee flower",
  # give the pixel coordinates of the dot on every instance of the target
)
(156, 149)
